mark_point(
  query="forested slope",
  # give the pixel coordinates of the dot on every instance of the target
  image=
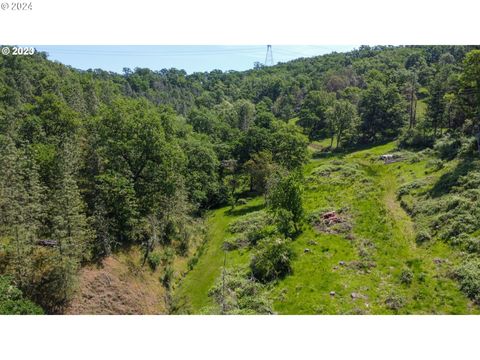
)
(97, 164)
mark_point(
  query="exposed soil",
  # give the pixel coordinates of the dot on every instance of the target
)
(118, 287)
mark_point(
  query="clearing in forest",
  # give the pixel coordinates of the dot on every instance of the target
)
(372, 265)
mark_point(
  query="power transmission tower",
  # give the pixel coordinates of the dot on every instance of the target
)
(269, 56)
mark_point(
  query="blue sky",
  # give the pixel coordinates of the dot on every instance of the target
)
(191, 58)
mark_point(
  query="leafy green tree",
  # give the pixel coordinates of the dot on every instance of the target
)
(284, 199)
(342, 119)
(260, 167)
(470, 89)
(289, 146)
(202, 178)
(313, 114)
(382, 110)
(253, 141)
(245, 113)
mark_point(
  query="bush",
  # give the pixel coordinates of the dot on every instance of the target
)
(250, 222)
(167, 277)
(435, 164)
(394, 302)
(250, 229)
(415, 139)
(153, 260)
(285, 222)
(12, 301)
(469, 147)
(448, 146)
(468, 275)
(236, 293)
(52, 280)
(473, 245)
(242, 201)
(423, 236)
(272, 260)
(183, 244)
(409, 187)
(406, 277)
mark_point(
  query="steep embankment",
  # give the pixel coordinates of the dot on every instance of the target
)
(368, 264)
(119, 285)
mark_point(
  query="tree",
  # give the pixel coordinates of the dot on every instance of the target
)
(313, 113)
(233, 180)
(12, 301)
(382, 111)
(439, 87)
(289, 146)
(341, 117)
(245, 113)
(260, 167)
(284, 200)
(202, 177)
(253, 141)
(470, 90)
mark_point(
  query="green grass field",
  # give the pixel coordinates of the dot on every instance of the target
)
(376, 268)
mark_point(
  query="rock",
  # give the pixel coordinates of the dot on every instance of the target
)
(306, 250)
(355, 295)
(335, 268)
(332, 293)
(350, 236)
(342, 263)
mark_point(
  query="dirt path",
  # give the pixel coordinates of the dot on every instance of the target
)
(400, 218)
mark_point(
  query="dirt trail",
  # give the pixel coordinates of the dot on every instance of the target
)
(400, 218)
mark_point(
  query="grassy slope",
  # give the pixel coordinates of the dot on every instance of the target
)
(377, 217)
(195, 286)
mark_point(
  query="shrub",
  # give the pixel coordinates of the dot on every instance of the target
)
(249, 222)
(183, 244)
(192, 262)
(12, 301)
(272, 260)
(167, 277)
(435, 164)
(406, 277)
(469, 147)
(409, 187)
(394, 302)
(468, 275)
(236, 293)
(423, 235)
(448, 146)
(416, 139)
(153, 260)
(250, 229)
(51, 282)
(473, 245)
(285, 222)
(167, 256)
(415, 158)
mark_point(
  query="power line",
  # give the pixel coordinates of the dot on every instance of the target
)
(162, 53)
